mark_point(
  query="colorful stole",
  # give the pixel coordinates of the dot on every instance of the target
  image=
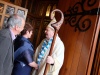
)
(46, 44)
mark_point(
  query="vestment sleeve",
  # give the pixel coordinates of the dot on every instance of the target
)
(58, 57)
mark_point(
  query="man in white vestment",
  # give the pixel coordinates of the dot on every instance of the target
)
(42, 51)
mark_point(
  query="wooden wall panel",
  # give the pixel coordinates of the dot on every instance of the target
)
(77, 44)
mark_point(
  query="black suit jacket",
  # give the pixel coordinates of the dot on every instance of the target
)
(6, 52)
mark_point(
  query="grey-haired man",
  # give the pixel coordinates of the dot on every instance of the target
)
(15, 26)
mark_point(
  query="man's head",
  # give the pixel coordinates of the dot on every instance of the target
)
(16, 23)
(50, 30)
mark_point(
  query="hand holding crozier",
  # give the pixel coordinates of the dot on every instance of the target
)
(55, 26)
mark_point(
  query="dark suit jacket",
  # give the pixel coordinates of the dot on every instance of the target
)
(6, 52)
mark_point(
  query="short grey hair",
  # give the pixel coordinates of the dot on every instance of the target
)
(14, 20)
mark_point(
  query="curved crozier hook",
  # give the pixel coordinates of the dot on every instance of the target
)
(57, 25)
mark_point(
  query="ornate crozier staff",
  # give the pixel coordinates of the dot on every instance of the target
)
(56, 27)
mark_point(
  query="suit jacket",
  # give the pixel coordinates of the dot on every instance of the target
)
(58, 56)
(6, 52)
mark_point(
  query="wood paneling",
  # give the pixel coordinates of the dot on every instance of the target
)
(78, 45)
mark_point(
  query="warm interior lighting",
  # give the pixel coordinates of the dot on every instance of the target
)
(54, 7)
(48, 11)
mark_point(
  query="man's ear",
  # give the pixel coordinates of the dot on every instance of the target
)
(16, 27)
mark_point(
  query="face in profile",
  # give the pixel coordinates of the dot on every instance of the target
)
(49, 33)
(29, 34)
(20, 28)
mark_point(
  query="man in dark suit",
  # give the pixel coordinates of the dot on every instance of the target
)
(15, 26)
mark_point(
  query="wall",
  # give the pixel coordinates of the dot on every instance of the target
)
(78, 42)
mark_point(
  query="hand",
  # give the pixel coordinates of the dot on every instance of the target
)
(33, 64)
(50, 60)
